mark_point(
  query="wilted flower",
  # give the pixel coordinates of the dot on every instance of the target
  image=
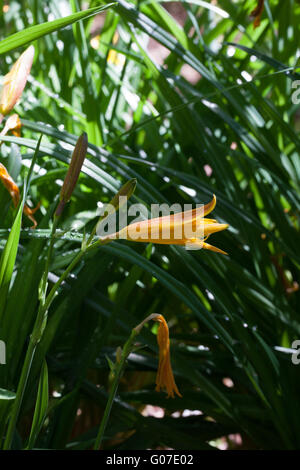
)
(15, 81)
(15, 193)
(10, 185)
(30, 212)
(257, 12)
(188, 228)
(73, 172)
(165, 377)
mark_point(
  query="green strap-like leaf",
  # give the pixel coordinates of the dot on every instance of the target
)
(41, 406)
(34, 32)
(9, 253)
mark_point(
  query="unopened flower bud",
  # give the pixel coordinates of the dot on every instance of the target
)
(116, 203)
(73, 172)
(123, 194)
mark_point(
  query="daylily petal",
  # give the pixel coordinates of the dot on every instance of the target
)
(15, 194)
(196, 244)
(213, 248)
(10, 185)
(29, 212)
(15, 81)
(212, 228)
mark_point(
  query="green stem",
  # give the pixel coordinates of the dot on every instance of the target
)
(35, 338)
(118, 374)
(64, 275)
(19, 395)
(44, 281)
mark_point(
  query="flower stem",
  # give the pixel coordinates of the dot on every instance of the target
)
(118, 374)
(37, 334)
(39, 327)
(19, 395)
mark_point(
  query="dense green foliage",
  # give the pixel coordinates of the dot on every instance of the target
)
(211, 119)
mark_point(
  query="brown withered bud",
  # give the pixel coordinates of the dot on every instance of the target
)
(73, 172)
(257, 13)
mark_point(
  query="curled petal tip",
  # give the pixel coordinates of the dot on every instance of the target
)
(210, 206)
(30, 212)
(207, 246)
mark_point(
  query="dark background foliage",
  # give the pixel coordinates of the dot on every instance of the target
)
(165, 97)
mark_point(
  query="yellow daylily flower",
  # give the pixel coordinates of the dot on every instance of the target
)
(15, 81)
(188, 228)
(165, 378)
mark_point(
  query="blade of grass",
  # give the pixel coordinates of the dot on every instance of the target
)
(34, 32)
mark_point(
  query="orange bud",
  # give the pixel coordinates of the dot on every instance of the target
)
(15, 81)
